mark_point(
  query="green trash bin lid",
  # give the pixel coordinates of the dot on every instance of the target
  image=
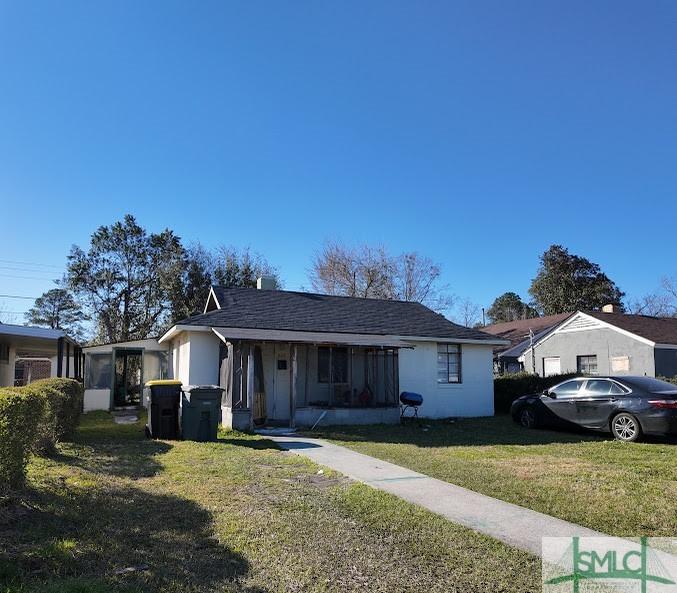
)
(189, 388)
(163, 382)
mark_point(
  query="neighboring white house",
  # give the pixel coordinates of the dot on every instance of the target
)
(29, 353)
(116, 373)
(291, 358)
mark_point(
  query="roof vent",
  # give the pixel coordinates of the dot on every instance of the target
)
(266, 283)
(610, 308)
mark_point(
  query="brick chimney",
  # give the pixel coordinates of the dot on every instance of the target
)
(610, 308)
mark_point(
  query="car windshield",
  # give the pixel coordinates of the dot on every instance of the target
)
(652, 385)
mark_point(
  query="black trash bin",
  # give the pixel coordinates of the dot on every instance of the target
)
(163, 409)
(200, 412)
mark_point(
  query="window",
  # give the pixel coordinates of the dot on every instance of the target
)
(587, 365)
(551, 366)
(154, 365)
(599, 387)
(4, 352)
(568, 388)
(339, 365)
(99, 371)
(620, 364)
(448, 363)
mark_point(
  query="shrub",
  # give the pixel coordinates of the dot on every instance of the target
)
(63, 401)
(21, 411)
(507, 388)
(672, 380)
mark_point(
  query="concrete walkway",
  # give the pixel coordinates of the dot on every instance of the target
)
(514, 525)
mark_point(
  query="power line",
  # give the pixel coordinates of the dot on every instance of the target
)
(28, 263)
(32, 271)
(16, 296)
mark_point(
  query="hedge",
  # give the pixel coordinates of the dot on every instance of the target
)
(507, 388)
(20, 414)
(63, 398)
(32, 420)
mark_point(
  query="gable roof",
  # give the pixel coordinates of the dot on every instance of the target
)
(308, 312)
(661, 330)
(518, 331)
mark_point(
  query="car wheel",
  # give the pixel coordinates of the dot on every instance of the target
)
(625, 427)
(527, 417)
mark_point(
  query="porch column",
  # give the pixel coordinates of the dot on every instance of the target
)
(292, 391)
(68, 358)
(250, 385)
(59, 357)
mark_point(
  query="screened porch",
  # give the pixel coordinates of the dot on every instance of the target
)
(289, 383)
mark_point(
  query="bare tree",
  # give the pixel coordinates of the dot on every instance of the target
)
(371, 272)
(468, 313)
(360, 272)
(662, 303)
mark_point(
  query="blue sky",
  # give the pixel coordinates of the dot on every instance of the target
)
(477, 133)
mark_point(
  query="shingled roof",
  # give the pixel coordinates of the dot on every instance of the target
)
(301, 311)
(661, 330)
(518, 331)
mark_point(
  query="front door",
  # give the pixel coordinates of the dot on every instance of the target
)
(281, 393)
(128, 379)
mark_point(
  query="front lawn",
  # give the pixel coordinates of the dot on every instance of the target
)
(618, 488)
(116, 512)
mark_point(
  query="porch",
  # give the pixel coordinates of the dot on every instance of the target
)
(275, 383)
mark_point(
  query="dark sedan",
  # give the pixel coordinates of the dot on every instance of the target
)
(628, 407)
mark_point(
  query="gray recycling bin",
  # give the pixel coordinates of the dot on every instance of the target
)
(200, 412)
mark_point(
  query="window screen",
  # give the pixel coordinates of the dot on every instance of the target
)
(98, 371)
(339, 365)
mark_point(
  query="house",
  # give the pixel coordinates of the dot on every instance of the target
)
(606, 342)
(29, 353)
(116, 373)
(520, 335)
(295, 358)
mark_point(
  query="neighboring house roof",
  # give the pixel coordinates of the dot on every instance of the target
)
(661, 330)
(517, 332)
(655, 331)
(28, 331)
(308, 312)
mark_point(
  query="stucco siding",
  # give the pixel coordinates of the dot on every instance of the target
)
(604, 343)
(473, 397)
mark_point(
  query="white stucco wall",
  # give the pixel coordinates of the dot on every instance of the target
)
(97, 399)
(7, 369)
(195, 357)
(473, 397)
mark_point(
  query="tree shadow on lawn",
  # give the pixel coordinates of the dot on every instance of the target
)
(463, 432)
(129, 459)
(80, 539)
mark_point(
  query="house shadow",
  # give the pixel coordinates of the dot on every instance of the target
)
(116, 539)
(497, 430)
(258, 444)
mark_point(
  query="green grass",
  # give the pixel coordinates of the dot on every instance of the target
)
(618, 488)
(236, 515)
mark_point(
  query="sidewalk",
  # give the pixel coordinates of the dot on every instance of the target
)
(514, 525)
